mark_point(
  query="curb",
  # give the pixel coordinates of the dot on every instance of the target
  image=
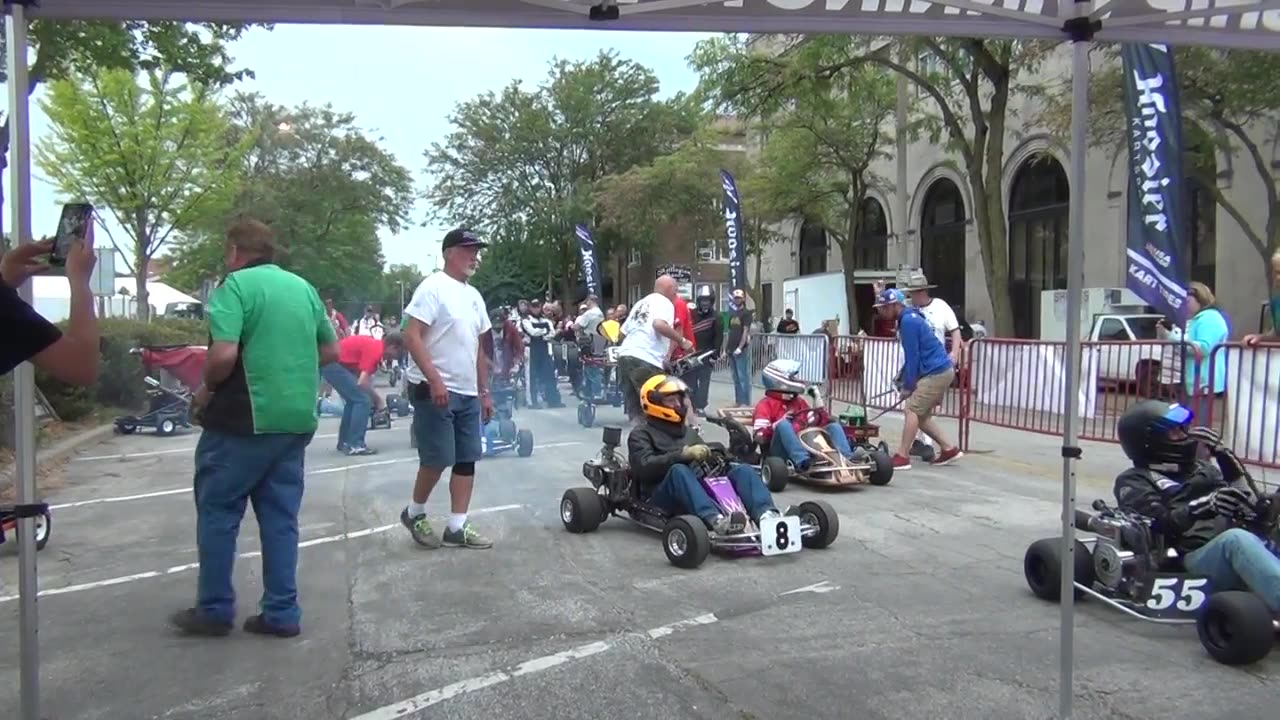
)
(66, 447)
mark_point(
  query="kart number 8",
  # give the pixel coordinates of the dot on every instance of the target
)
(1184, 592)
(780, 536)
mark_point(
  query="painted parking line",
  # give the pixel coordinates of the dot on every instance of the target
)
(321, 471)
(176, 569)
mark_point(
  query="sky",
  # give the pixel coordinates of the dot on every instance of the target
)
(402, 83)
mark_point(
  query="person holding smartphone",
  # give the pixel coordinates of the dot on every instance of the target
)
(71, 355)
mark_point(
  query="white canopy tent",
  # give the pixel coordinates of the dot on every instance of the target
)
(1222, 23)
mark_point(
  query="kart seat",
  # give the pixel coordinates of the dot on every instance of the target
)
(739, 418)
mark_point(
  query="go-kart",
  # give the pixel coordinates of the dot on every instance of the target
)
(501, 434)
(9, 523)
(685, 538)
(610, 390)
(827, 467)
(380, 419)
(1128, 567)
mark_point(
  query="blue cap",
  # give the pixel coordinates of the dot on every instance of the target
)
(890, 296)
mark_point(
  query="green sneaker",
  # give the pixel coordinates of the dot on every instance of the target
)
(467, 537)
(420, 529)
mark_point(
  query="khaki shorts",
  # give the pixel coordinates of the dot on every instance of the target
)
(929, 392)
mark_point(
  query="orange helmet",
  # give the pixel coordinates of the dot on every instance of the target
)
(656, 390)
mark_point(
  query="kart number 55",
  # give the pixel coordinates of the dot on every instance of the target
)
(780, 536)
(1177, 593)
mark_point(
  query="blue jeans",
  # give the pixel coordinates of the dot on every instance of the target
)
(741, 366)
(355, 414)
(786, 443)
(1239, 560)
(680, 492)
(266, 470)
(592, 382)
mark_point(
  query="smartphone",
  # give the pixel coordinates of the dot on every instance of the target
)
(72, 228)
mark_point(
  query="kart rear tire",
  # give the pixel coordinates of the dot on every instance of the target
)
(686, 541)
(126, 428)
(582, 510)
(825, 517)
(775, 473)
(1042, 568)
(882, 472)
(524, 442)
(507, 430)
(586, 414)
(884, 448)
(44, 530)
(1236, 628)
(166, 427)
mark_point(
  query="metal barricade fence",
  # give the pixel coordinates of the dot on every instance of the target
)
(1247, 410)
(864, 371)
(811, 351)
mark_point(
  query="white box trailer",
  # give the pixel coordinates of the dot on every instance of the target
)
(817, 298)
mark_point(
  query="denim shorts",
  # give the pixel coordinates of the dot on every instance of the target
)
(445, 435)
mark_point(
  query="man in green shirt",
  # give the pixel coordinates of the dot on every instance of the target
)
(269, 334)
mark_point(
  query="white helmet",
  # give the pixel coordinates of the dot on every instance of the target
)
(783, 376)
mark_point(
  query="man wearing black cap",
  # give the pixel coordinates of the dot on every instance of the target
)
(539, 330)
(449, 387)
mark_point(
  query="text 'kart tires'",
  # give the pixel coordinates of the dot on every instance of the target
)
(1042, 568)
(881, 468)
(524, 443)
(686, 541)
(582, 510)
(821, 514)
(1236, 628)
(775, 473)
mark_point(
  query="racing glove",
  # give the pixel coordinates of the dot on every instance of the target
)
(695, 453)
(1226, 502)
(1207, 436)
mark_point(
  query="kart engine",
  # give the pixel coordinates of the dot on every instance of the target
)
(1121, 552)
(1114, 566)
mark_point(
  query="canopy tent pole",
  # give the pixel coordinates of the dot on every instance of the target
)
(24, 381)
(1080, 29)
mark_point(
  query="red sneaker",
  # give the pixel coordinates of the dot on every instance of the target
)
(946, 457)
(901, 463)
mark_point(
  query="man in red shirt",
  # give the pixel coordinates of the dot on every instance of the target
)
(782, 413)
(684, 326)
(352, 376)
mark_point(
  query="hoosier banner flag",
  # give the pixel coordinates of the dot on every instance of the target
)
(1157, 241)
(590, 268)
(733, 232)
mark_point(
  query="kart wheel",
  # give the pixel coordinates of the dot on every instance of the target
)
(507, 430)
(581, 510)
(586, 414)
(821, 514)
(883, 468)
(44, 528)
(775, 474)
(1042, 568)
(686, 541)
(524, 443)
(126, 428)
(166, 427)
(884, 448)
(1236, 628)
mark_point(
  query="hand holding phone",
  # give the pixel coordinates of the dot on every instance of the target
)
(74, 227)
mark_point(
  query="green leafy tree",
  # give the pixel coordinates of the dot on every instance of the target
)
(521, 164)
(324, 184)
(149, 148)
(965, 86)
(397, 286)
(509, 272)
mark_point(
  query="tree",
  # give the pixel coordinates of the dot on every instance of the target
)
(966, 83)
(326, 187)
(149, 148)
(396, 287)
(67, 49)
(521, 164)
(1228, 99)
(509, 272)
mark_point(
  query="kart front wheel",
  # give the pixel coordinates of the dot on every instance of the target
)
(775, 474)
(881, 468)
(166, 427)
(686, 541)
(581, 510)
(821, 515)
(1042, 568)
(44, 528)
(524, 443)
(1236, 628)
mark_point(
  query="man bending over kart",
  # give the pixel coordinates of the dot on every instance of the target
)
(661, 449)
(783, 413)
(1201, 510)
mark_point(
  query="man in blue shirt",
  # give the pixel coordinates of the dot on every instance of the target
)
(927, 374)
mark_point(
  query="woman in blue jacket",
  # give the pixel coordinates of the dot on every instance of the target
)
(1205, 371)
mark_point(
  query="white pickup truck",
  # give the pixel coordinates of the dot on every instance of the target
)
(1128, 349)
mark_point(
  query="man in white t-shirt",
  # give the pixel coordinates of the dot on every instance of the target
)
(942, 320)
(646, 343)
(449, 387)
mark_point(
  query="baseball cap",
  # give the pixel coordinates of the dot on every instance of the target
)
(461, 237)
(890, 296)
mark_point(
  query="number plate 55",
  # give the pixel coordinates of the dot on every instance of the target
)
(780, 536)
(1175, 595)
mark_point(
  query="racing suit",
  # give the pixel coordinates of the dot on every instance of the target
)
(654, 451)
(708, 334)
(781, 434)
(1232, 558)
(542, 374)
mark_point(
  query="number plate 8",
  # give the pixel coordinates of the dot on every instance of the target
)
(780, 536)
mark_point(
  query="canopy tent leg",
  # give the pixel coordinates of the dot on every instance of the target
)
(24, 381)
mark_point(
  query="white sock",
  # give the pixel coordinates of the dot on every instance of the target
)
(456, 521)
(416, 509)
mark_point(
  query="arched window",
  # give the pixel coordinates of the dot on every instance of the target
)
(813, 249)
(871, 247)
(942, 233)
(1038, 208)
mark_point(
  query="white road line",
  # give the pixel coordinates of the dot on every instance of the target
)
(817, 588)
(170, 451)
(122, 498)
(124, 579)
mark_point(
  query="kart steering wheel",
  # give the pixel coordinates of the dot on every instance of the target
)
(804, 413)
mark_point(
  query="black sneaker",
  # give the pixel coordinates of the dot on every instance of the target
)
(466, 537)
(343, 447)
(420, 529)
(258, 626)
(362, 450)
(193, 622)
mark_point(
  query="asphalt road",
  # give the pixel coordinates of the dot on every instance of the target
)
(919, 609)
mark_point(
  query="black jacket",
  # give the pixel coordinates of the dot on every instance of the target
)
(653, 447)
(1165, 499)
(708, 331)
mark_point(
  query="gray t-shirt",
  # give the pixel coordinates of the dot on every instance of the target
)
(589, 323)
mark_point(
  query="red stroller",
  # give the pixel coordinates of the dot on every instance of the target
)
(167, 408)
